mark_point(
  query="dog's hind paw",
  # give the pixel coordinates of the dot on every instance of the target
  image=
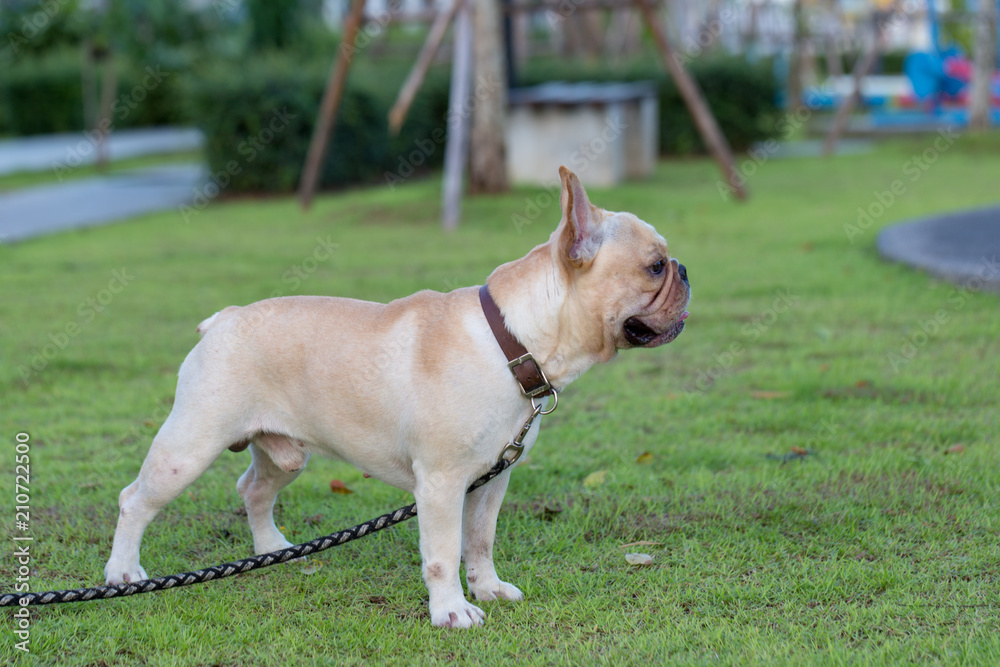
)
(498, 590)
(462, 615)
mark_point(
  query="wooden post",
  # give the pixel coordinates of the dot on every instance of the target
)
(795, 59)
(328, 107)
(834, 67)
(488, 157)
(984, 62)
(109, 89)
(416, 77)
(702, 115)
(861, 69)
(88, 81)
(456, 147)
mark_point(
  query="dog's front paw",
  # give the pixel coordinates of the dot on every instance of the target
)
(459, 615)
(114, 575)
(276, 544)
(497, 590)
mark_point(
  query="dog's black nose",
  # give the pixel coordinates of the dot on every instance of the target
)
(683, 273)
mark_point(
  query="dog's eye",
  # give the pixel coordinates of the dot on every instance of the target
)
(657, 269)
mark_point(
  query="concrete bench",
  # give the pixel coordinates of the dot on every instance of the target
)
(605, 132)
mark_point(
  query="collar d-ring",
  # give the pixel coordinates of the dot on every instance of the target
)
(555, 404)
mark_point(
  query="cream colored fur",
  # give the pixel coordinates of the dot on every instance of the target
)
(415, 392)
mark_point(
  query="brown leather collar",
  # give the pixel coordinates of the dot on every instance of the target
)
(525, 369)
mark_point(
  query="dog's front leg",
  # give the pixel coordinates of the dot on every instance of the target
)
(480, 527)
(440, 499)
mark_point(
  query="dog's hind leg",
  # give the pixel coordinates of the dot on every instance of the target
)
(180, 453)
(260, 484)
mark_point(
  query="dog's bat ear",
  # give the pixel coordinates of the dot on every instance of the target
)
(580, 237)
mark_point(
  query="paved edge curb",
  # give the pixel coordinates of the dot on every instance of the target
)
(908, 243)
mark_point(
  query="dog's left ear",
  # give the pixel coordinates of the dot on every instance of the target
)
(581, 235)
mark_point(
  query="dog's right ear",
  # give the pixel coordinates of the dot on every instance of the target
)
(580, 235)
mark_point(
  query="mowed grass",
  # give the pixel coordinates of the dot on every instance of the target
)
(880, 545)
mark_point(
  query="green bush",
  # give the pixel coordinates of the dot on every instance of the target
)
(42, 95)
(742, 96)
(236, 105)
(45, 95)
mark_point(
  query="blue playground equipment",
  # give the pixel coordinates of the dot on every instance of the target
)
(940, 79)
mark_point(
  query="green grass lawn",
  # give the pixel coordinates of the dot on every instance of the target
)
(878, 546)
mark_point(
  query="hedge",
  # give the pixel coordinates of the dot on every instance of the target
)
(258, 118)
(234, 105)
(743, 96)
(258, 113)
(45, 95)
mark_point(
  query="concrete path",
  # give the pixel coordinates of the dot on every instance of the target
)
(95, 201)
(963, 247)
(52, 151)
(814, 148)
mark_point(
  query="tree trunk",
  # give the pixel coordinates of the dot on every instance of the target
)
(707, 126)
(985, 61)
(796, 57)
(488, 165)
(861, 69)
(456, 149)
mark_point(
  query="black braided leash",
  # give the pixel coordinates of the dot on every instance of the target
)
(236, 567)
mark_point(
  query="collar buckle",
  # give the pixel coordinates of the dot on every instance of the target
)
(541, 386)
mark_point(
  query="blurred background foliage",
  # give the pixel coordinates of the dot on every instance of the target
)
(226, 66)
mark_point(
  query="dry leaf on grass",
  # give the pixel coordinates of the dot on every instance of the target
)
(769, 395)
(638, 559)
(338, 486)
(644, 458)
(955, 449)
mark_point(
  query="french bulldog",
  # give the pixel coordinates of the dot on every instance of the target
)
(416, 392)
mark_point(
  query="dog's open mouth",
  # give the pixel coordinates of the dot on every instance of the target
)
(640, 335)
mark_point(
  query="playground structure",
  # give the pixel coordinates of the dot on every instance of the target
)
(933, 91)
(456, 147)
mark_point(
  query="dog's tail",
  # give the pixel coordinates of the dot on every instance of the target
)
(207, 323)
